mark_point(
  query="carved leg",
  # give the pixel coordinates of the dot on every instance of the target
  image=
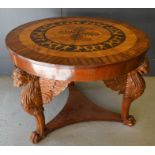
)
(40, 133)
(135, 86)
(36, 92)
(131, 86)
(127, 119)
(31, 100)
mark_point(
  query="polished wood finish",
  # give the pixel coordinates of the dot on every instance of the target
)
(77, 109)
(66, 48)
(132, 86)
(51, 54)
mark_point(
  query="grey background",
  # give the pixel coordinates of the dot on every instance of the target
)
(11, 18)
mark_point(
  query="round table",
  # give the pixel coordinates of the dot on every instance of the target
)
(52, 54)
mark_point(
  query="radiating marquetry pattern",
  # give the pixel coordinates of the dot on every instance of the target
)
(51, 54)
(77, 36)
(79, 41)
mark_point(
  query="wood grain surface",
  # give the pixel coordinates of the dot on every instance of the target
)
(51, 54)
(61, 48)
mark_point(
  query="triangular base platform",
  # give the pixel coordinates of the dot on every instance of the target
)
(79, 109)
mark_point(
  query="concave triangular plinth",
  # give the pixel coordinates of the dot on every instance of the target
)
(79, 109)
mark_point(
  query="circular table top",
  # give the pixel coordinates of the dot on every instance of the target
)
(76, 43)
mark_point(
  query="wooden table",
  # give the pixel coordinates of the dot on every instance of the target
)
(53, 54)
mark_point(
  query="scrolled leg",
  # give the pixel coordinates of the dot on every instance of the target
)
(31, 100)
(134, 88)
(131, 86)
(36, 92)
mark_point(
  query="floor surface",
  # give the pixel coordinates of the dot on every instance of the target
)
(16, 125)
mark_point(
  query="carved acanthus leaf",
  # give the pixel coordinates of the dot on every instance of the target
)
(47, 87)
(132, 85)
(117, 84)
(51, 88)
(135, 85)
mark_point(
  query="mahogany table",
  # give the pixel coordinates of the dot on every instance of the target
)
(52, 54)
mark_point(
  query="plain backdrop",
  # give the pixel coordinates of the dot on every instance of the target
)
(11, 18)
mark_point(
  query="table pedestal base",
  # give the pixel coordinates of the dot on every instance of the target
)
(38, 91)
(77, 109)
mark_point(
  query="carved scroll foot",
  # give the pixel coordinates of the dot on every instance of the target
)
(131, 86)
(35, 137)
(127, 119)
(40, 132)
(36, 92)
(31, 100)
(134, 88)
(130, 120)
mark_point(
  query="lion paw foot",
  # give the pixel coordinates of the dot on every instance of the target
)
(35, 137)
(130, 121)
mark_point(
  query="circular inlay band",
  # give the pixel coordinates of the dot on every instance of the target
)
(78, 36)
(77, 41)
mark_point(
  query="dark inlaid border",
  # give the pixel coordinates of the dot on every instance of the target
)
(38, 36)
